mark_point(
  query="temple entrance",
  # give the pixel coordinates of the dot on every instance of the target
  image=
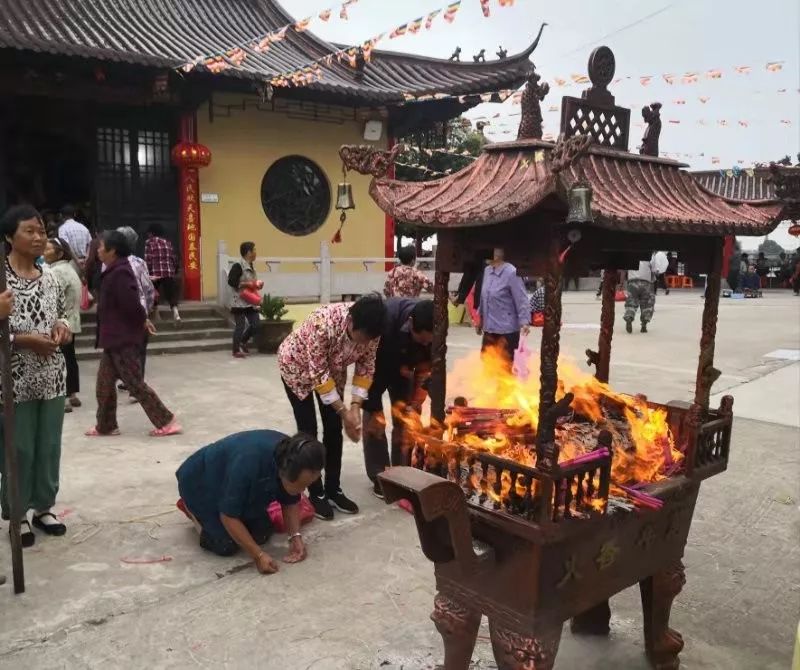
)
(112, 164)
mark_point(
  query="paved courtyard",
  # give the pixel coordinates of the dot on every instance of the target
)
(362, 599)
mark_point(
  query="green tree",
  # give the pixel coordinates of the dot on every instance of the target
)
(455, 136)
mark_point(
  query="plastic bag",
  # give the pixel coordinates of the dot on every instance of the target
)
(86, 301)
(250, 296)
(537, 319)
(522, 355)
(620, 296)
(276, 515)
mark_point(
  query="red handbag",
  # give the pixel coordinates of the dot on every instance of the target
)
(620, 296)
(537, 320)
(250, 296)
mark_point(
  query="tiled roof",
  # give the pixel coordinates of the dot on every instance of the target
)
(168, 33)
(630, 192)
(739, 187)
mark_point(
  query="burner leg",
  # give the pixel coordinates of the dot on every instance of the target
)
(522, 651)
(661, 642)
(458, 625)
(593, 621)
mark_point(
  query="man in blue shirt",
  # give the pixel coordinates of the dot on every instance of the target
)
(226, 487)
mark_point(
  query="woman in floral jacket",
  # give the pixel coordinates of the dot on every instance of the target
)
(313, 361)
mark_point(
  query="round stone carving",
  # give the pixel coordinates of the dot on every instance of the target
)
(602, 66)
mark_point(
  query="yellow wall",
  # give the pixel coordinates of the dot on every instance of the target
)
(243, 146)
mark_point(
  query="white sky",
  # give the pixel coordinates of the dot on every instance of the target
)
(681, 36)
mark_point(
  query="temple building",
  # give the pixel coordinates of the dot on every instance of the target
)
(98, 111)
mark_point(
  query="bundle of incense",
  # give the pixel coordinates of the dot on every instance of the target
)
(488, 411)
(585, 458)
(642, 498)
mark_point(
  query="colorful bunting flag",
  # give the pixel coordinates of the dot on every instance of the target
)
(690, 78)
(669, 78)
(302, 25)
(485, 8)
(580, 78)
(703, 99)
(429, 19)
(399, 31)
(560, 82)
(714, 74)
(645, 81)
(675, 121)
(742, 69)
(714, 160)
(451, 11)
(415, 26)
(506, 3)
(325, 14)
(679, 102)
(552, 108)
(744, 124)
(786, 122)
(775, 66)
(722, 122)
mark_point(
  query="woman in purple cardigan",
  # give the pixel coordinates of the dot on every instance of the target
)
(121, 325)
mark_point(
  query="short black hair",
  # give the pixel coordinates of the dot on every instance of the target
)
(246, 248)
(14, 216)
(369, 315)
(68, 211)
(116, 241)
(407, 255)
(156, 230)
(422, 317)
(297, 453)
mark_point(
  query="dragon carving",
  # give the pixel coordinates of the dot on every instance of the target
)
(368, 160)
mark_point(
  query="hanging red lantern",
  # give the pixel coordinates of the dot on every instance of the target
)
(191, 155)
(794, 229)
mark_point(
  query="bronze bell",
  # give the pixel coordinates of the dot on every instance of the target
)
(579, 200)
(344, 196)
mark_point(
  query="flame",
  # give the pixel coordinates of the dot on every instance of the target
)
(644, 446)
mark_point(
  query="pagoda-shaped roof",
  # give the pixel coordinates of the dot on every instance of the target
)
(630, 192)
(169, 34)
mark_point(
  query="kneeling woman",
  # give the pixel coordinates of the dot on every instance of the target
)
(226, 487)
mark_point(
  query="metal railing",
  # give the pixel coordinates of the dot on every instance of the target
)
(322, 278)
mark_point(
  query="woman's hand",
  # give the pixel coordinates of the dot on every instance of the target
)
(525, 330)
(479, 328)
(351, 420)
(266, 564)
(42, 345)
(149, 327)
(61, 333)
(297, 551)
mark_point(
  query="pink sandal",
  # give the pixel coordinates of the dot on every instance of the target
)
(172, 428)
(93, 432)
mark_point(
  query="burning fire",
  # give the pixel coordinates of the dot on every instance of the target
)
(644, 448)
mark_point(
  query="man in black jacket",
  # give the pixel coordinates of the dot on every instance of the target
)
(402, 367)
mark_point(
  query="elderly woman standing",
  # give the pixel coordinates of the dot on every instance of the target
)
(38, 327)
(121, 324)
(60, 260)
(504, 308)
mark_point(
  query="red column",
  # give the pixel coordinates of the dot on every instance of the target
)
(189, 156)
(727, 252)
(388, 228)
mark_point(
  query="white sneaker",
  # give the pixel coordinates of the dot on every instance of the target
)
(176, 314)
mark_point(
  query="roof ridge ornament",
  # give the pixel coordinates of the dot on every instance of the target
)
(368, 160)
(566, 150)
(530, 125)
(652, 117)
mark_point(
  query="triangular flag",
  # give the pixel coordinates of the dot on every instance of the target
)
(399, 31)
(580, 78)
(742, 69)
(714, 74)
(429, 19)
(451, 11)
(704, 99)
(775, 66)
(744, 124)
(669, 78)
(690, 78)
(679, 102)
(485, 7)
(560, 82)
(415, 25)
(325, 14)
(645, 81)
(301, 25)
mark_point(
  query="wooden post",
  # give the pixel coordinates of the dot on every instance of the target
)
(607, 314)
(11, 472)
(707, 374)
(438, 382)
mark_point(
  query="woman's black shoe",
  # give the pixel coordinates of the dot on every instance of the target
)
(341, 502)
(322, 507)
(56, 529)
(26, 536)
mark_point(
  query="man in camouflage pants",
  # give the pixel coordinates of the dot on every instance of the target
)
(640, 295)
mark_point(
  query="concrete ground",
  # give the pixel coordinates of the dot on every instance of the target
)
(362, 599)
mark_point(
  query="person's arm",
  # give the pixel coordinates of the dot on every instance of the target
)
(6, 303)
(235, 276)
(427, 284)
(239, 533)
(61, 332)
(468, 280)
(125, 290)
(291, 519)
(521, 304)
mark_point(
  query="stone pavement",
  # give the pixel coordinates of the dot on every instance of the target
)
(362, 599)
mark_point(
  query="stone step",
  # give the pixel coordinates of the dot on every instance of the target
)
(86, 353)
(188, 324)
(188, 311)
(216, 333)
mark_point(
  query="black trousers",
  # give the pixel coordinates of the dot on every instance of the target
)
(306, 418)
(73, 373)
(167, 288)
(247, 321)
(508, 341)
(376, 447)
